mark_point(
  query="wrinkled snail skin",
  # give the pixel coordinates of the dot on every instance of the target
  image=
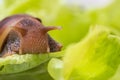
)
(26, 34)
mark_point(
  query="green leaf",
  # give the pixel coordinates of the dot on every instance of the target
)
(116, 75)
(18, 63)
(94, 58)
(37, 73)
(27, 66)
(55, 68)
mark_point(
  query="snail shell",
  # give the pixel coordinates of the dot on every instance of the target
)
(26, 34)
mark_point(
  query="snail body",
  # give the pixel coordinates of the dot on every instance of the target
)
(26, 34)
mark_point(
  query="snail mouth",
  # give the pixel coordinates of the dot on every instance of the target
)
(11, 44)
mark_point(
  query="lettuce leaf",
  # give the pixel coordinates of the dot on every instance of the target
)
(94, 58)
(28, 66)
(18, 63)
(55, 67)
(37, 73)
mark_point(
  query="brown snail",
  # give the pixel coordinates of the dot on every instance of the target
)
(26, 34)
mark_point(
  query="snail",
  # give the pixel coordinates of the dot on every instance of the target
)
(23, 34)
